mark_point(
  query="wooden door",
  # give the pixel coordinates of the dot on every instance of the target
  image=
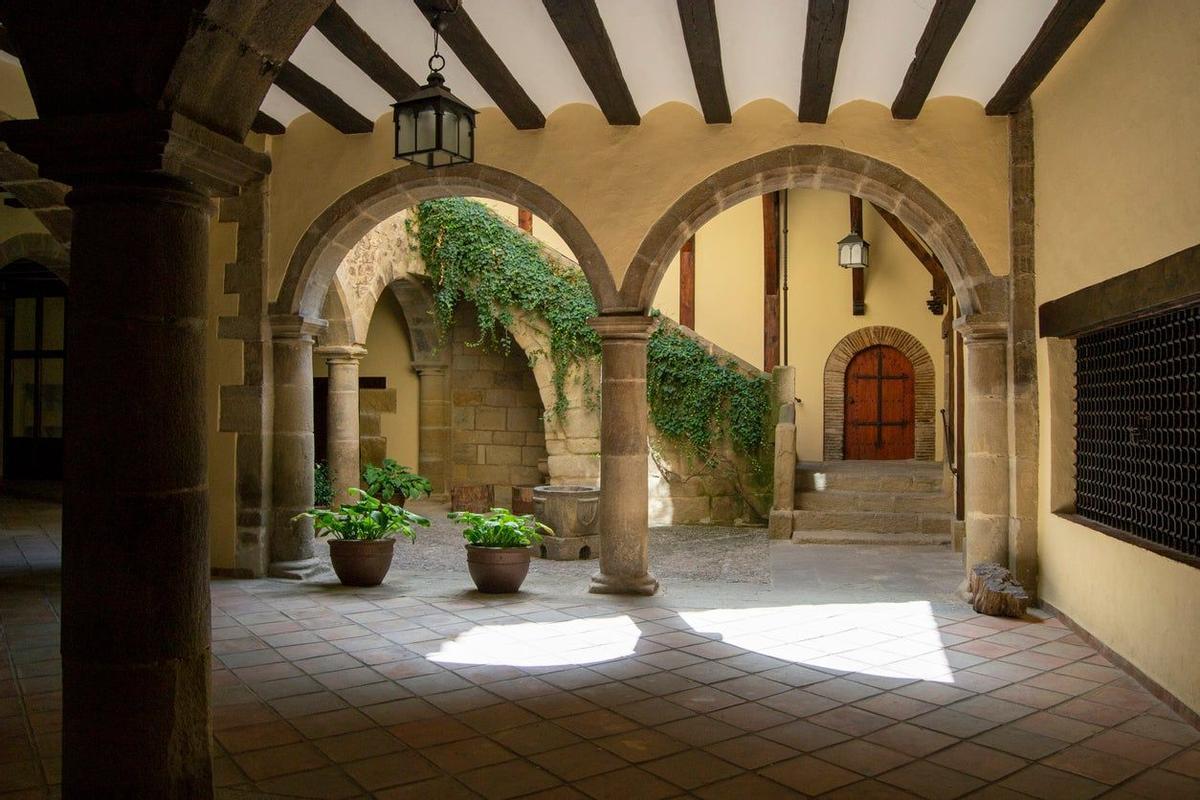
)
(880, 405)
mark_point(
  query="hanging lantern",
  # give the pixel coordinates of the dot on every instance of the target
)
(853, 252)
(433, 127)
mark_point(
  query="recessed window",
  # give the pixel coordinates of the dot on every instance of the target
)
(1137, 441)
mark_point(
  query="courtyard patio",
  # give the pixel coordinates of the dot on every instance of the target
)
(852, 673)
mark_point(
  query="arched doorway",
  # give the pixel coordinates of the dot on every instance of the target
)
(880, 406)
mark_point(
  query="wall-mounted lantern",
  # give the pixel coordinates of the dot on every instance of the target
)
(854, 252)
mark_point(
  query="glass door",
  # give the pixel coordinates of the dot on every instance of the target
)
(33, 392)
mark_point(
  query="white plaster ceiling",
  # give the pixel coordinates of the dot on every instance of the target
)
(762, 44)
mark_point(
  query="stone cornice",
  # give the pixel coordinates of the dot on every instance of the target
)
(623, 326)
(990, 327)
(295, 326)
(342, 353)
(95, 148)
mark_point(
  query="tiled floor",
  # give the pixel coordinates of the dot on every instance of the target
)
(320, 691)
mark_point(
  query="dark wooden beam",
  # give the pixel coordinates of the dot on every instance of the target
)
(1065, 22)
(945, 21)
(582, 31)
(481, 60)
(700, 35)
(345, 34)
(771, 272)
(858, 279)
(264, 123)
(822, 46)
(687, 283)
(937, 295)
(320, 100)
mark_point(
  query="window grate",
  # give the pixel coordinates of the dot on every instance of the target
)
(1137, 432)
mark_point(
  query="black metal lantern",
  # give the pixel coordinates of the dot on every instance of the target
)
(433, 127)
(854, 252)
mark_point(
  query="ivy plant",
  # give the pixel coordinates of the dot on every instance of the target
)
(471, 254)
(322, 485)
(695, 399)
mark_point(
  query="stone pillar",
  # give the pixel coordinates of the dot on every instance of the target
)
(292, 549)
(135, 592)
(342, 427)
(624, 452)
(783, 396)
(985, 432)
(433, 445)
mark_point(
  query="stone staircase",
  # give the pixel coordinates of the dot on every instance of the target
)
(872, 502)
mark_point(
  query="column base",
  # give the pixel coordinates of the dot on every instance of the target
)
(294, 570)
(780, 524)
(645, 585)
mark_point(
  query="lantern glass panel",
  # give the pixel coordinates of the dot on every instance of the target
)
(406, 135)
(426, 129)
(466, 147)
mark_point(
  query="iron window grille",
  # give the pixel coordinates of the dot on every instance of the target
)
(1137, 434)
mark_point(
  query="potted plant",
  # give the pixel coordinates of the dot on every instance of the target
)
(394, 483)
(498, 547)
(364, 536)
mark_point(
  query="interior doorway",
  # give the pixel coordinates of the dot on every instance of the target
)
(880, 405)
(34, 349)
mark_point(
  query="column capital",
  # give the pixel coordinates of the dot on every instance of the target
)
(429, 367)
(296, 326)
(623, 326)
(97, 148)
(982, 328)
(342, 353)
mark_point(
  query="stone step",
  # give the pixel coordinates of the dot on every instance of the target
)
(872, 521)
(840, 500)
(870, 476)
(869, 537)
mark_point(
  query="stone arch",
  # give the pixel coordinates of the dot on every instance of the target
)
(332, 235)
(819, 167)
(834, 380)
(40, 247)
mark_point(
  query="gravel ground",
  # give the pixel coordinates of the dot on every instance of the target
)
(681, 553)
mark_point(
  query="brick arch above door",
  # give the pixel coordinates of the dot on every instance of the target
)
(834, 381)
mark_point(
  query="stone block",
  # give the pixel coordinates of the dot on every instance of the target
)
(530, 456)
(372, 450)
(536, 439)
(503, 455)
(464, 418)
(691, 510)
(726, 509)
(465, 453)
(382, 401)
(473, 437)
(570, 548)
(525, 475)
(583, 445)
(524, 419)
(490, 419)
(467, 397)
(508, 437)
(779, 526)
(576, 468)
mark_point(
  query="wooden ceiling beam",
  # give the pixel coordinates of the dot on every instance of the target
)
(1065, 22)
(703, 42)
(320, 100)
(858, 277)
(481, 60)
(336, 25)
(931, 263)
(264, 123)
(822, 46)
(582, 31)
(945, 22)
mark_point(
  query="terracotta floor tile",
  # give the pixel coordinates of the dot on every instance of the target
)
(1095, 764)
(752, 752)
(1052, 784)
(982, 762)
(466, 754)
(400, 711)
(390, 769)
(596, 724)
(992, 708)
(578, 761)
(692, 769)
(1164, 730)
(1139, 701)
(931, 781)
(431, 731)
(745, 787)
(441, 788)
(654, 711)
(331, 723)
(660, 684)
(893, 705)
(851, 721)
(910, 739)
(557, 704)
(799, 703)
(931, 692)
(257, 737)
(1159, 783)
(374, 693)
(1020, 742)
(462, 700)
(1186, 763)
(698, 731)
(325, 784)
(1063, 684)
(809, 775)
(863, 757)
(640, 745)
(535, 738)
(869, 789)
(795, 675)
(1136, 748)
(1057, 727)
(358, 745)
(708, 672)
(751, 716)
(510, 779)
(612, 694)
(286, 759)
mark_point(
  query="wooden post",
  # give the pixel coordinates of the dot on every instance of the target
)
(858, 285)
(770, 281)
(525, 220)
(687, 284)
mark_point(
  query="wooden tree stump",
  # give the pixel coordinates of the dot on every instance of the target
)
(471, 498)
(994, 592)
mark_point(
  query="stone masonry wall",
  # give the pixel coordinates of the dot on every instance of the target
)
(497, 435)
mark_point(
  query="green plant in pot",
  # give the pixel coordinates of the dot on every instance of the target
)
(394, 483)
(498, 547)
(363, 536)
(322, 485)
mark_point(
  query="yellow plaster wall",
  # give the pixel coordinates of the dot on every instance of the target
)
(1117, 187)
(729, 294)
(620, 180)
(15, 99)
(16, 221)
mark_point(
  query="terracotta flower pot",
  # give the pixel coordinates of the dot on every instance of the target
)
(498, 570)
(361, 563)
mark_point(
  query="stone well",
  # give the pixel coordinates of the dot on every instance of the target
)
(571, 512)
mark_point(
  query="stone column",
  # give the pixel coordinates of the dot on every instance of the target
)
(433, 448)
(292, 549)
(342, 427)
(985, 432)
(624, 454)
(135, 590)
